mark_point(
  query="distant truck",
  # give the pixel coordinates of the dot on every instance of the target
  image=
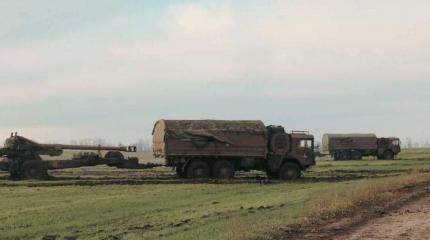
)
(356, 146)
(217, 148)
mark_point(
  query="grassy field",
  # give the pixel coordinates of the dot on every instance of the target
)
(193, 211)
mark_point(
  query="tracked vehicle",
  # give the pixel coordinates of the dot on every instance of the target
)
(217, 148)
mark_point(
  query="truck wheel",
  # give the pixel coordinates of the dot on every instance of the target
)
(341, 156)
(180, 171)
(347, 155)
(356, 155)
(272, 175)
(34, 170)
(198, 169)
(223, 170)
(289, 171)
(388, 155)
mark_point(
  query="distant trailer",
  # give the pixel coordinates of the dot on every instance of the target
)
(356, 146)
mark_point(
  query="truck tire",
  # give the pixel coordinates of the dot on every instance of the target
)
(356, 155)
(342, 156)
(347, 155)
(289, 171)
(223, 170)
(198, 170)
(33, 170)
(388, 155)
(180, 173)
(337, 156)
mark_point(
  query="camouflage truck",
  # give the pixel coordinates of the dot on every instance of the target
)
(217, 148)
(356, 146)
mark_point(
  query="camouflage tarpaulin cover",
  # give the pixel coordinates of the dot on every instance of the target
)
(209, 128)
(220, 125)
(348, 141)
(224, 137)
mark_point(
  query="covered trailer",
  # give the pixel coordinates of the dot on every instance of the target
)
(355, 146)
(217, 148)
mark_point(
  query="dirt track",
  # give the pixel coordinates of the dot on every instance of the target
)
(409, 222)
(405, 217)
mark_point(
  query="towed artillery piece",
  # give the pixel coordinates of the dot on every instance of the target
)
(22, 157)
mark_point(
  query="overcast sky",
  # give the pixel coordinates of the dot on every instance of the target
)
(110, 68)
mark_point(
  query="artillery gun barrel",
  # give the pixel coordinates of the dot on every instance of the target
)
(89, 148)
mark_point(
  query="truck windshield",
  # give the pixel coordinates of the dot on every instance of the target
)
(306, 143)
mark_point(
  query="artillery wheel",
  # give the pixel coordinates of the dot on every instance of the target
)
(223, 170)
(289, 171)
(114, 154)
(14, 171)
(198, 169)
(33, 170)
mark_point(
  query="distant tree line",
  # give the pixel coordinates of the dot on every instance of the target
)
(410, 143)
(141, 144)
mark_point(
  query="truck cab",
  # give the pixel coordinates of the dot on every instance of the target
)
(291, 156)
(303, 148)
(388, 148)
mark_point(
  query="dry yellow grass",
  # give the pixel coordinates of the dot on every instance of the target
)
(344, 202)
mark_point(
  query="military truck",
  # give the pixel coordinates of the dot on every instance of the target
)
(356, 146)
(218, 148)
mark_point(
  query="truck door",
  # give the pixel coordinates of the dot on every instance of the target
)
(305, 152)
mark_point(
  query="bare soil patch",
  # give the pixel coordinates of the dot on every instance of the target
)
(403, 218)
(408, 222)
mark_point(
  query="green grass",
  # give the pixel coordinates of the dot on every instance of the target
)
(408, 160)
(185, 211)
